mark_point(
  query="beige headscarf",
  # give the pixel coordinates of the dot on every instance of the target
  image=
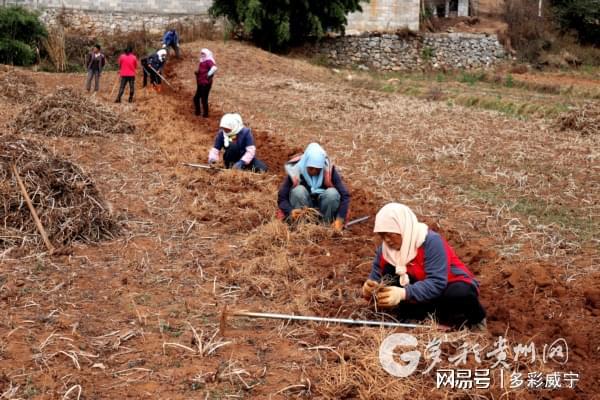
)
(398, 218)
(233, 122)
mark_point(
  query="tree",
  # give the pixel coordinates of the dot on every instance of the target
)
(581, 16)
(277, 24)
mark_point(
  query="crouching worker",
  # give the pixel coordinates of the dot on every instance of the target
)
(313, 182)
(152, 66)
(238, 142)
(423, 273)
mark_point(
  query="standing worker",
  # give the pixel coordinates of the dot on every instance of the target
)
(94, 62)
(313, 182)
(204, 78)
(152, 66)
(171, 39)
(127, 66)
(423, 273)
(238, 142)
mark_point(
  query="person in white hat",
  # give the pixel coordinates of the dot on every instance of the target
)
(239, 145)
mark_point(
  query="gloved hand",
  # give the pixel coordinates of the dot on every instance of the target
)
(338, 225)
(238, 165)
(368, 287)
(295, 214)
(212, 162)
(390, 296)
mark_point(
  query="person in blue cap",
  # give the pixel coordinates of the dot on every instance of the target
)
(312, 181)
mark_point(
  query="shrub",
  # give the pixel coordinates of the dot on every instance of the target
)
(15, 52)
(20, 31)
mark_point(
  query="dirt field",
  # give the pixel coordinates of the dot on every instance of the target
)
(141, 316)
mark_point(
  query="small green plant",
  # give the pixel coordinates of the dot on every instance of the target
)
(440, 77)
(471, 78)
(427, 53)
(509, 81)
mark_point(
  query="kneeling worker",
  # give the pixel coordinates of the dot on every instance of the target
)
(238, 142)
(423, 273)
(313, 182)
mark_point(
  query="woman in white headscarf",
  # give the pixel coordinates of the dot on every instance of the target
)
(239, 145)
(204, 79)
(423, 273)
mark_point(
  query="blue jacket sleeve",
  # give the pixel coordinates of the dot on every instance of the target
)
(375, 274)
(219, 141)
(283, 197)
(344, 194)
(436, 270)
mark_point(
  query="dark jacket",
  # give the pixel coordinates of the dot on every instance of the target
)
(95, 63)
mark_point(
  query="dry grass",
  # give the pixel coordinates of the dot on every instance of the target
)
(17, 87)
(55, 47)
(584, 120)
(68, 113)
(65, 198)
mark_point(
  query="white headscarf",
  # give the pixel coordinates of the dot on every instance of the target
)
(234, 122)
(398, 218)
(206, 54)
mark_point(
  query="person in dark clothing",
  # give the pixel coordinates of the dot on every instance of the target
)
(152, 66)
(422, 274)
(94, 63)
(238, 142)
(313, 182)
(204, 78)
(171, 39)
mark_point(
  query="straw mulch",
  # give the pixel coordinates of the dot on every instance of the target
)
(65, 198)
(16, 87)
(68, 113)
(584, 119)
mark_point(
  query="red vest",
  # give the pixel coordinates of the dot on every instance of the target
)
(416, 268)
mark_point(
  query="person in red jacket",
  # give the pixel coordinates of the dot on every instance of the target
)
(423, 274)
(127, 66)
(204, 78)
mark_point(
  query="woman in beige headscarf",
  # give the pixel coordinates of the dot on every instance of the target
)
(424, 274)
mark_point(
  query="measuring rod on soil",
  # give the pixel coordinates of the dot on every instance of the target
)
(345, 321)
(203, 166)
(162, 77)
(357, 221)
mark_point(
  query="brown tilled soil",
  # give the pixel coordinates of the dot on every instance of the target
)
(141, 316)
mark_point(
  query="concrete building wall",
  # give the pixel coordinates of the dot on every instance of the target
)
(385, 15)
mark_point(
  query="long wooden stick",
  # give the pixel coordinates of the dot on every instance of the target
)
(345, 321)
(36, 219)
(114, 85)
(162, 77)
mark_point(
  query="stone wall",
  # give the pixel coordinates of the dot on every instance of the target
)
(178, 7)
(94, 17)
(99, 23)
(393, 52)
